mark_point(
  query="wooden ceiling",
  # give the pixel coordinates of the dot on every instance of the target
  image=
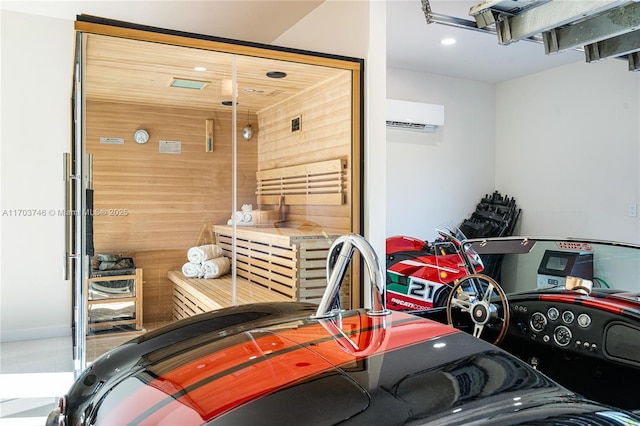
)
(140, 72)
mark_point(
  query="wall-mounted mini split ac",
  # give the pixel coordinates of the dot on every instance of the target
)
(414, 116)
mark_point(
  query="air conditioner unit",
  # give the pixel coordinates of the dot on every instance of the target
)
(414, 116)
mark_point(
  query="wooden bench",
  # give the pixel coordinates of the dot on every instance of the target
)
(289, 261)
(192, 296)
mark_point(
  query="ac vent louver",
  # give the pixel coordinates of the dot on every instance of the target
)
(418, 127)
(414, 116)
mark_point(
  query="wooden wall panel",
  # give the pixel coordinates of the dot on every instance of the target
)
(325, 112)
(153, 204)
(157, 294)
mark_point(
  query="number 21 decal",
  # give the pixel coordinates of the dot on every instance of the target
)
(424, 290)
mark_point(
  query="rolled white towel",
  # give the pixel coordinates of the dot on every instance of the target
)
(193, 270)
(201, 253)
(247, 217)
(238, 216)
(214, 268)
(230, 222)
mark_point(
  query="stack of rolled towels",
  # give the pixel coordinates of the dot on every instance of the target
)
(207, 261)
(244, 217)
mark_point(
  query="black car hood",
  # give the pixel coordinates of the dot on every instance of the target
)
(261, 363)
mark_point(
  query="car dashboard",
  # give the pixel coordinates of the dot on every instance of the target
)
(583, 330)
(578, 340)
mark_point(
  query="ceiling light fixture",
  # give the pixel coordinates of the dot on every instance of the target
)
(247, 131)
(448, 41)
(276, 74)
(188, 84)
(199, 69)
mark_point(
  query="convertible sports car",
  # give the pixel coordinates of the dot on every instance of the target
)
(573, 312)
(297, 363)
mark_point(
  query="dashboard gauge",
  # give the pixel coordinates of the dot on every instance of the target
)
(553, 314)
(538, 322)
(568, 317)
(584, 320)
(562, 335)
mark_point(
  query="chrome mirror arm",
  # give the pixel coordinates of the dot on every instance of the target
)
(337, 266)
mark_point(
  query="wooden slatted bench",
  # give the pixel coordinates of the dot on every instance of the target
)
(289, 261)
(192, 296)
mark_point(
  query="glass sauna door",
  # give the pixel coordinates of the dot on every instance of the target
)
(207, 175)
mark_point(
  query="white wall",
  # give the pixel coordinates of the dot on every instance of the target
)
(567, 147)
(36, 88)
(439, 177)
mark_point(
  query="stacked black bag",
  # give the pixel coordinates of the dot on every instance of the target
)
(495, 216)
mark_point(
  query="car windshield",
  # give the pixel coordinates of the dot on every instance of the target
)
(524, 264)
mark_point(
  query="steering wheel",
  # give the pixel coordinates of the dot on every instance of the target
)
(478, 305)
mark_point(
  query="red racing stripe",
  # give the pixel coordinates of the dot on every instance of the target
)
(604, 305)
(215, 384)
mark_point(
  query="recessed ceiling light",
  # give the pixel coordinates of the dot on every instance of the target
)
(276, 74)
(200, 68)
(448, 41)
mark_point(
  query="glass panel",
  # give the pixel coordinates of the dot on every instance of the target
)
(558, 264)
(161, 177)
(206, 204)
(294, 178)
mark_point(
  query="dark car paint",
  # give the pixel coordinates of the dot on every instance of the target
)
(402, 369)
(596, 371)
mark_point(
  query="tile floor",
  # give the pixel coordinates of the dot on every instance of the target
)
(33, 374)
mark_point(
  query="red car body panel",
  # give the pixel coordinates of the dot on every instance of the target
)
(265, 361)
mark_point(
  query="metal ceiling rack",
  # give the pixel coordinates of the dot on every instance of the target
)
(601, 28)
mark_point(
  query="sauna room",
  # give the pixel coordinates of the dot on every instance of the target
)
(214, 177)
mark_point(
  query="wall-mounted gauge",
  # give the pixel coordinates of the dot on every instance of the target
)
(141, 136)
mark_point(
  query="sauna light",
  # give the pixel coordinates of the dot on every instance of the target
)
(188, 84)
(199, 69)
(276, 74)
(247, 131)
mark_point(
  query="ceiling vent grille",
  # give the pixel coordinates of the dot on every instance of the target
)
(183, 83)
